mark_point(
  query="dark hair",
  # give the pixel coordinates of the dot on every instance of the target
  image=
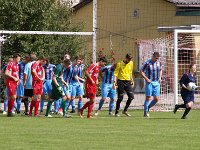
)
(78, 57)
(33, 56)
(128, 56)
(16, 55)
(156, 54)
(191, 65)
(42, 58)
(103, 59)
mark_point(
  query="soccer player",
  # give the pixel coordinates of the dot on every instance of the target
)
(106, 88)
(6, 90)
(151, 71)
(77, 85)
(57, 87)
(187, 94)
(123, 78)
(38, 75)
(20, 87)
(91, 88)
(12, 80)
(28, 89)
(47, 87)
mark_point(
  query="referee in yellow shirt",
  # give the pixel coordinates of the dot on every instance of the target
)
(124, 80)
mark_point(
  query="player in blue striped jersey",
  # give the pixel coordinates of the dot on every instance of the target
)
(106, 88)
(47, 87)
(77, 86)
(151, 71)
(20, 87)
(67, 76)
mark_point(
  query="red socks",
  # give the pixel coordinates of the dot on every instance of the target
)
(90, 109)
(10, 105)
(36, 105)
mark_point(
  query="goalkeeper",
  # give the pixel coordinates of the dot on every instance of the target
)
(57, 90)
(187, 93)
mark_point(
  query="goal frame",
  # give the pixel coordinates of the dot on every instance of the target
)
(176, 32)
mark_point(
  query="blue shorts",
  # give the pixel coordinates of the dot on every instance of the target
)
(68, 90)
(47, 87)
(107, 91)
(152, 89)
(187, 97)
(20, 89)
(77, 89)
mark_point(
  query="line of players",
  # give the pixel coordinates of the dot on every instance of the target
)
(32, 78)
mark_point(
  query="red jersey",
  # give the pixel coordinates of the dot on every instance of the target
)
(13, 68)
(38, 69)
(93, 70)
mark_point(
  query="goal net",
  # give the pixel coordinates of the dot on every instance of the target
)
(174, 64)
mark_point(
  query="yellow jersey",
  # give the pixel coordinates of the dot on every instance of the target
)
(124, 71)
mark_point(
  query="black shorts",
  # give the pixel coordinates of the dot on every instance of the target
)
(28, 92)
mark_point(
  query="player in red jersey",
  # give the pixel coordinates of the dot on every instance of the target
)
(38, 76)
(12, 80)
(91, 82)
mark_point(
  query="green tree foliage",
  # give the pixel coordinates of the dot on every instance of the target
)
(39, 15)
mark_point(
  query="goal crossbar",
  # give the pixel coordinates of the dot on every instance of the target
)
(45, 32)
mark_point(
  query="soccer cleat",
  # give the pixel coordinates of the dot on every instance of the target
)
(18, 112)
(10, 114)
(90, 117)
(110, 114)
(25, 113)
(49, 116)
(146, 115)
(175, 108)
(4, 112)
(126, 113)
(80, 113)
(97, 113)
(73, 111)
(67, 116)
(183, 117)
(29, 115)
(117, 115)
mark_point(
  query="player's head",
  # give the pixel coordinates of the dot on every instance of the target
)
(16, 57)
(67, 63)
(27, 58)
(156, 56)
(192, 68)
(78, 60)
(33, 57)
(114, 65)
(128, 58)
(102, 61)
(66, 56)
(10, 59)
(42, 60)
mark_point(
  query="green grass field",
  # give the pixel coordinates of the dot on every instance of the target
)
(163, 130)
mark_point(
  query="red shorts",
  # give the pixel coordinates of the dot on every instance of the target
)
(37, 88)
(12, 88)
(91, 91)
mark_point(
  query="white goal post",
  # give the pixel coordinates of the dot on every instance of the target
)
(177, 47)
(178, 50)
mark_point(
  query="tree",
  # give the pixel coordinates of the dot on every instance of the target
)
(39, 15)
